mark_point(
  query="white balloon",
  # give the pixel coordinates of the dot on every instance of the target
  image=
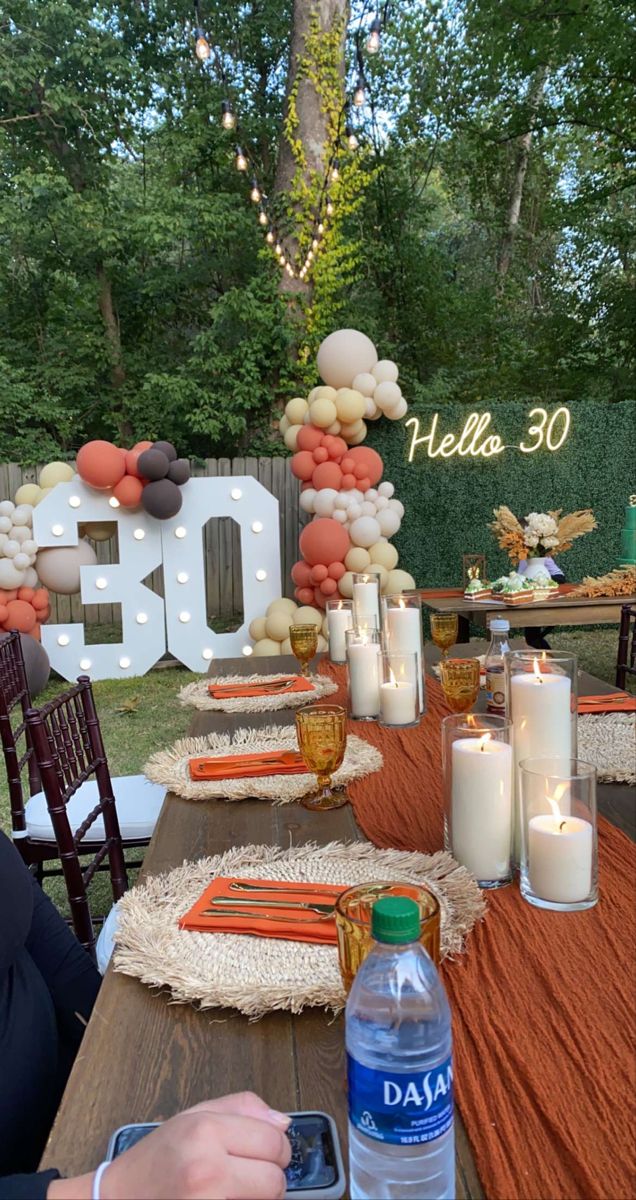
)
(342, 501)
(397, 506)
(11, 548)
(389, 522)
(340, 516)
(324, 502)
(30, 578)
(59, 566)
(343, 355)
(386, 395)
(307, 500)
(386, 489)
(365, 383)
(354, 511)
(371, 494)
(29, 546)
(371, 410)
(367, 508)
(5, 524)
(381, 503)
(357, 495)
(21, 562)
(10, 577)
(7, 508)
(23, 514)
(20, 533)
(364, 531)
(400, 410)
(385, 371)
(3, 538)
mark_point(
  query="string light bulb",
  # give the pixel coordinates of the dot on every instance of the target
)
(269, 237)
(329, 208)
(375, 32)
(278, 249)
(228, 118)
(202, 47)
(262, 216)
(359, 95)
(310, 255)
(255, 194)
(314, 244)
(321, 228)
(240, 160)
(352, 141)
(335, 171)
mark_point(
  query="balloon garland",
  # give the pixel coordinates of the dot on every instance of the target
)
(355, 512)
(150, 475)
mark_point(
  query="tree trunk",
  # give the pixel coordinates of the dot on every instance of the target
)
(534, 98)
(111, 329)
(312, 128)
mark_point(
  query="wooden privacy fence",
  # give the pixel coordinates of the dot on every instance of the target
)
(221, 541)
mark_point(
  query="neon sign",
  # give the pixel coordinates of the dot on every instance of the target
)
(475, 440)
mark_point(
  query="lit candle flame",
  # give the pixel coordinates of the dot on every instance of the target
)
(537, 670)
(392, 681)
(470, 720)
(554, 802)
(402, 602)
(483, 742)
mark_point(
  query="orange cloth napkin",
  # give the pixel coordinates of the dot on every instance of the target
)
(607, 702)
(235, 691)
(248, 766)
(292, 925)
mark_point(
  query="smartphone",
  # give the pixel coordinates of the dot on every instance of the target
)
(315, 1170)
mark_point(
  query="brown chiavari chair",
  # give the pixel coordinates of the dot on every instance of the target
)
(138, 801)
(68, 748)
(626, 654)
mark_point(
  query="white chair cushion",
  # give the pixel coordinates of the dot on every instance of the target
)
(138, 806)
(106, 940)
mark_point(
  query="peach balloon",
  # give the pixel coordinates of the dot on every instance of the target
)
(302, 465)
(343, 355)
(128, 491)
(309, 437)
(371, 461)
(324, 541)
(21, 615)
(327, 475)
(100, 464)
(301, 574)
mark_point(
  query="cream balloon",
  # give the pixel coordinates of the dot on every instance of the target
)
(265, 646)
(325, 627)
(356, 439)
(43, 492)
(55, 472)
(286, 647)
(307, 500)
(371, 410)
(282, 605)
(98, 531)
(343, 355)
(308, 616)
(257, 628)
(334, 429)
(365, 382)
(385, 554)
(323, 413)
(399, 581)
(283, 425)
(357, 559)
(387, 395)
(324, 502)
(382, 573)
(400, 410)
(323, 645)
(321, 393)
(291, 437)
(364, 531)
(352, 429)
(7, 508)
(345, 585)
(350, 405)
(29, 493)
(59, 567)
(277, 625)
(5, 524)
(295, 410)
(385, 371)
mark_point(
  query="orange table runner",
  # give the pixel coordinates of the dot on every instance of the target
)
(543, 1002)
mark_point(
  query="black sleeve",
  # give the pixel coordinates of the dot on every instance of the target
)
(27, 1187)
(67, 969)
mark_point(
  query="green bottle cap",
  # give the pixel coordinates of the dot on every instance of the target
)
(395, 919)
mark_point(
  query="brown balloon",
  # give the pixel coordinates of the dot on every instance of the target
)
(153, 464)
(179, 471)
(161, 499)
(166, 448)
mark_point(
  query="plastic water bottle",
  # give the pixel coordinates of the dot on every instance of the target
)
(494, 667)
(399, 1062)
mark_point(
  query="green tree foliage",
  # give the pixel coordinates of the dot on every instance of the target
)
(137, 297)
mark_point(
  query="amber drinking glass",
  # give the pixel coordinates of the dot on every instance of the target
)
(444, 630)
(322, 737)
(460, 682)
(304, 643)
(353, 922)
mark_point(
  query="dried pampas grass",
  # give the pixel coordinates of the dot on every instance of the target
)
(574, 526)
(621, 582)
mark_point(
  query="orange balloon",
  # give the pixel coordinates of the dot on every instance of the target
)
(141, 446)
(21, 616)
(36, 632)
(302, 465)
(324, 541)
(132, 457)
(42, 615)
(309, 437)
(26, 593)
(369, 460)
(4, 613)
(6, 596)
(40, 599)
(327, 475)
(101, 464)
(128, 491)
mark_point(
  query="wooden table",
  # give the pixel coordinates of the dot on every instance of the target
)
(600, 610)
(143, 1059)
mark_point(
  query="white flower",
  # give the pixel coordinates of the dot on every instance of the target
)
(531, 540)
(541, 524)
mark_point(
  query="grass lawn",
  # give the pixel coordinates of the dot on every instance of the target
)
(139, 716)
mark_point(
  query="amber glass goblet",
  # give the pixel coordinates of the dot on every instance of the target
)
(304, 643)
(460, 682)
(444, 630)
(322, 737)
(353, 922)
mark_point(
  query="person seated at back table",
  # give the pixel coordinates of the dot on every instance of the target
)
(535, 636)
(232, 1147)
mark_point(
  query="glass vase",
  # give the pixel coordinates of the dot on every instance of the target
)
(399, 691)
(366, 597)
(363, 673)
(478, 803)
(402, 627)
(559, 845)
(339, 619)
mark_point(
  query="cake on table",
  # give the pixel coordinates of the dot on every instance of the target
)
(628, 536)
(543, 586)
(516, 590)
(477, 589)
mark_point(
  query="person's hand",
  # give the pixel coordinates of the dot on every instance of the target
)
(233, 1148)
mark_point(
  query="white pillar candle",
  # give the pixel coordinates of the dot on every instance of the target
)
(398, 703)
(366, 601)
(403, 635)
(364, 678)
(560, 851)
(338, 621)
(542, 722)
(481, 806)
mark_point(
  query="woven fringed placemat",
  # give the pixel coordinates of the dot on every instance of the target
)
(170, 767)
(609, 741)
(255, 974)
(196, 695)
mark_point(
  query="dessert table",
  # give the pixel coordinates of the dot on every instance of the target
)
(144, 1059)
(597, 610)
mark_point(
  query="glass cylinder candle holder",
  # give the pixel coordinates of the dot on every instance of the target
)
(559, 849)
(478, 800)
(353, 922)
(399, 691)
(541, 696)
(402, 626)
(366, 596)
(363, 663)
(339, 619)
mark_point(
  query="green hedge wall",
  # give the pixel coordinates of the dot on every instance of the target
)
(449, 501)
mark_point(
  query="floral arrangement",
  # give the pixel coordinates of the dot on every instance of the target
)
(539, 534)
(621, 582)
